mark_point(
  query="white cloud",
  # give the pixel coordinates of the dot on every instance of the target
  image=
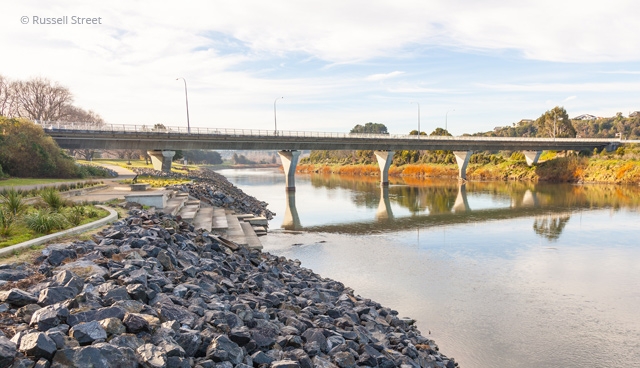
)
(378, 77)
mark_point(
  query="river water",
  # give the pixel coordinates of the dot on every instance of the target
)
(498, 274)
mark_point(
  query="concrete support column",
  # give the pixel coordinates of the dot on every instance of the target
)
(532, 157)
(384, 161)
(161, 160)
(289, 162)
(462, 158)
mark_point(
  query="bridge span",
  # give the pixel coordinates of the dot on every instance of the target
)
(161, 141)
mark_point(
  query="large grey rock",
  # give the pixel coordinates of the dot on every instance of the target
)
(49, 317)
(285, 364)
(152, 356)
(37, 345)
(100, 355)
(17, 297)
(7, 351)
(26, 312)
(99, 314)
(88, 332)
(222, 349)
(56, 294)
(14, 274)
(57, 256)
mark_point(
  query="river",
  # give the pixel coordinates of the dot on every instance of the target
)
(498, 274)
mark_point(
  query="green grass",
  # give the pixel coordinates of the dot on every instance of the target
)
(13, 182)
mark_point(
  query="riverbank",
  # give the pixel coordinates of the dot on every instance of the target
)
(560, 169)
(153, 291)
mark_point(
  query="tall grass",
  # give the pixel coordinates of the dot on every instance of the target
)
(13, 202)
(45, 221)
(52, 198)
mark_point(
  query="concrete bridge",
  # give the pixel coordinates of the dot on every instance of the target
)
(161, 141)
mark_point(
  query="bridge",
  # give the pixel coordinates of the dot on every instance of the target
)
(161, 141)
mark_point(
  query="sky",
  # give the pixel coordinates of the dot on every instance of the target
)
(467, 65)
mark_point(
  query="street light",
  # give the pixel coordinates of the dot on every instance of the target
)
(275, 121)
(187, 101)
(445, 119)
(418, 116)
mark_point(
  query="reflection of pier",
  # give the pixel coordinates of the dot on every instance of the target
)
(291, 220)
(461, 204)
(384, 206)
(444, 219)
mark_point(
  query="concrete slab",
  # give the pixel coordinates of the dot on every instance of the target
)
(219, 219)
(235, 233)
(259, 220)
(250, 236)
(204, 219)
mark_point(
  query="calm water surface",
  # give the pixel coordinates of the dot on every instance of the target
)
(499, 274)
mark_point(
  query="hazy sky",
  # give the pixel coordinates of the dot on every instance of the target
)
(336, 63)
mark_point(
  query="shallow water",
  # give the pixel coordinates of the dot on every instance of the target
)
(508, 275)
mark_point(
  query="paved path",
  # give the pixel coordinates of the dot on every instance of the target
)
(112, 190)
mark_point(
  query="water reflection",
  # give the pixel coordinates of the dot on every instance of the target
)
(428, 203)
(550, 227)
(291, 220)
(384, 211)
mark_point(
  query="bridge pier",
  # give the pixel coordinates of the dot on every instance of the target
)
(384, 161)
(161, 160)
(289, 162)
(532, 157)
(462, 158)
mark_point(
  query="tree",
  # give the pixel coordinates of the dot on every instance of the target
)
(441, 132)
(371, 128)
(26, 151)
(42, 100)
(555, 123)
(74, 114)
(7, 101)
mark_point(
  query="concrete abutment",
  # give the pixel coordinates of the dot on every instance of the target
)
(161, 160)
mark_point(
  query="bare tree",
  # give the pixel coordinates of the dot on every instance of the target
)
(41, 99)
(74, 114)
(7, 97)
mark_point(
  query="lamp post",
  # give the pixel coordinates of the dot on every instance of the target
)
(555, 122)
(445, 119)
(415, 102)
(186, 97)
(275, 120)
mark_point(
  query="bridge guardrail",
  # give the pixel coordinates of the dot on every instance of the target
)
(198, 131)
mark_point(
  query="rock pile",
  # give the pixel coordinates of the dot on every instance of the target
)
(215, 189)
(150, 291)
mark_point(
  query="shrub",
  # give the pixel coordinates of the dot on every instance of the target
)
(75, 215)
(6, 222)
(44, 221)
(12, 201)
(52, 198)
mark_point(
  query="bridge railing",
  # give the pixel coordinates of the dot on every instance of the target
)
(199, 131)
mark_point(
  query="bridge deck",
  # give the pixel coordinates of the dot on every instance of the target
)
(172, 138)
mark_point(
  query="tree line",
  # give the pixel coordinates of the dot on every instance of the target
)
(557, 118)
(43, 100)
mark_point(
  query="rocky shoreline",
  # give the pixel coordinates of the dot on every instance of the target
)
(152, 291)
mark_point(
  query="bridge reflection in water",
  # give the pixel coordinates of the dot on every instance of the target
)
(435, 203)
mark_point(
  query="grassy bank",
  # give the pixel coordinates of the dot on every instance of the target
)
(558, 169)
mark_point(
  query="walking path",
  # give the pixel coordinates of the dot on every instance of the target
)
(111, 190)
